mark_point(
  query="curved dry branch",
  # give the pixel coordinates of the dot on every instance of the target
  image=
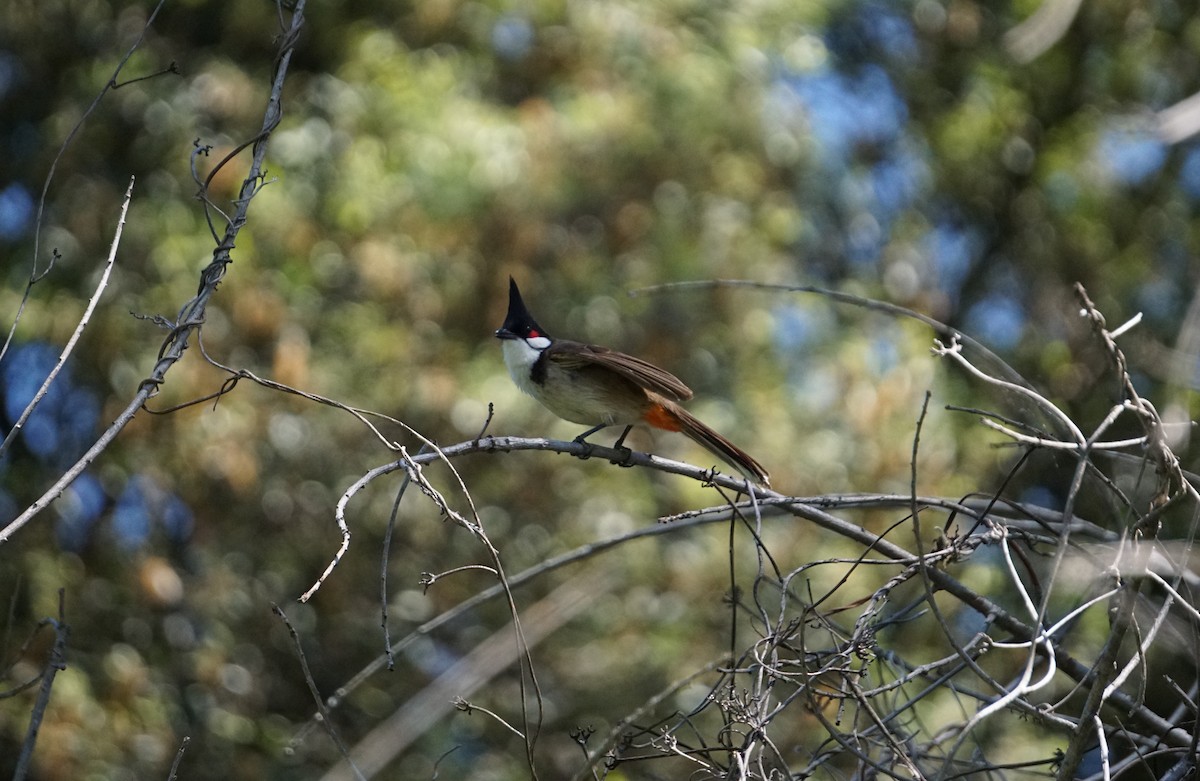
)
(191, 316)
(78, 332)
(1033, 37)
(812, 651)
(36, 273)
(993, 524)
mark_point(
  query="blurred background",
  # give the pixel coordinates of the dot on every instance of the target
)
(968, 161)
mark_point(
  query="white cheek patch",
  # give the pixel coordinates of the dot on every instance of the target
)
(538, 343)
(519, 357)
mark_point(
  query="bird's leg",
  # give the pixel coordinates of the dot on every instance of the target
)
(619, 445)
(581, 440)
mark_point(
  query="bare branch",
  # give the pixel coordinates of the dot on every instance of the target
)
(35, 274)
(326, 716)
(192, 314)
(1036, 35)
(55, 662)
(78, 332)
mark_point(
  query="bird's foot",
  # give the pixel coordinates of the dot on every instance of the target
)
(588, 447)
(626, 460)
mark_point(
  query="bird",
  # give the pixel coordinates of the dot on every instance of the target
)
(600, 387)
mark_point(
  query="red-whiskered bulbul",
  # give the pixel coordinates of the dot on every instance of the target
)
(599, 387)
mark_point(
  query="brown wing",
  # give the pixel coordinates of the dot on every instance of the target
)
(646, 375)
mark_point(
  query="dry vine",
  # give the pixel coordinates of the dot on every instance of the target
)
(808, 662)
(190, 318)
(1020, 651)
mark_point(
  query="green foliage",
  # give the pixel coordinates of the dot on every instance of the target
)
(587, 149)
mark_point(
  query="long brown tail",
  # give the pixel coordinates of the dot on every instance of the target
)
(672, 417)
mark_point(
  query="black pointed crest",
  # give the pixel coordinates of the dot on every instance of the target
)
(519, 323)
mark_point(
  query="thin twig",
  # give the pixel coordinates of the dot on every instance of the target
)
(183, 744)
(326, 716)
(36, 274)
(383, 570)
(67, 349)
(192, 314)
(55, 662)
